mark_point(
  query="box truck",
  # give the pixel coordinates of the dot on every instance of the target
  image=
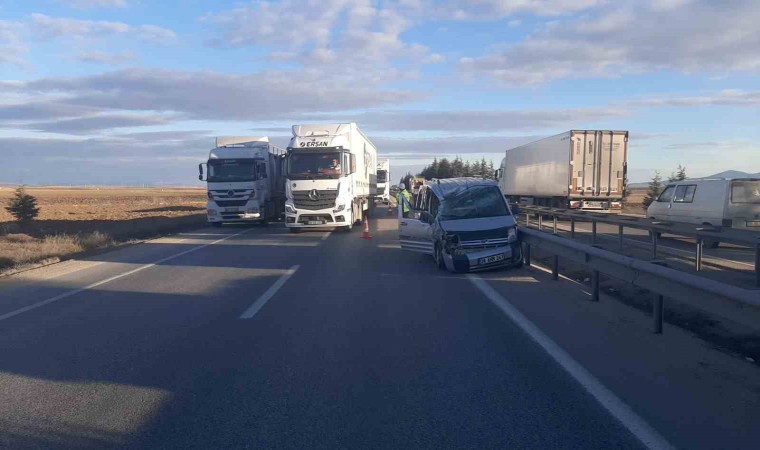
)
(383, 180)
(245, 180)
(578, 169)
(331, 176)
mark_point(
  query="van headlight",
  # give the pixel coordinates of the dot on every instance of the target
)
(512, 235)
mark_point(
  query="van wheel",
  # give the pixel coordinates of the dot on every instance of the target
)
(438, 257)
(712, 244)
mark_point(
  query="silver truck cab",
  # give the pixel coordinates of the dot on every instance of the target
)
(464, 223)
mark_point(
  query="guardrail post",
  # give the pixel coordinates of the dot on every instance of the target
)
(620, 236)
(654, 244)
(540, 221)
(658, 308)
(593, 232)
(555, 268)
(526, 255)
(700, 249)
(527, 219)
(554, 219)
(594, 285)
(572, 228)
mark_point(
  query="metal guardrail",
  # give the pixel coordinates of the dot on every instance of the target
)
(700, 234)
(663, 281)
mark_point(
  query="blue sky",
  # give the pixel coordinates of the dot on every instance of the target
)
(133, 91)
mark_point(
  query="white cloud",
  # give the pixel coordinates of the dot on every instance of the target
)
(12, 46)
(631, 37)
(46, 27)
(201, 95)
(499, 9)
(88, 4)
(728, 97)
(476, 121)
(86, 125)
(112, 59)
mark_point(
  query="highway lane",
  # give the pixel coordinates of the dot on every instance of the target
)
(363, 345)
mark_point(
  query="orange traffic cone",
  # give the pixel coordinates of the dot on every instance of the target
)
(365, 233)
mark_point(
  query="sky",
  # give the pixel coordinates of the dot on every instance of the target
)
(132, 92)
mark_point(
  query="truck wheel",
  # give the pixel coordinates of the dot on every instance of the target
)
(294, 230)
(216, 224)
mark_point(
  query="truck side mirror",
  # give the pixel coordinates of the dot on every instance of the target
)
(200, 172)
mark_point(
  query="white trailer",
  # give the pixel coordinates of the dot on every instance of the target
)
(245, 180)
(383, 180)
(578, 169)
(331, 176)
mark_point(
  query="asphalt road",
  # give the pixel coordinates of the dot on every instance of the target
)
(352, 343)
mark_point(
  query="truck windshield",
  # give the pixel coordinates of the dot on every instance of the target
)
(473, 203)
(745, 191)
(314, 165)
(382, 176)
(231, 170)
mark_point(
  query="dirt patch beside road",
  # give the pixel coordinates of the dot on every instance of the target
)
(73, 220)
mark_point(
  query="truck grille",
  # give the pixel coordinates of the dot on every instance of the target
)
(325, 200)
(224, 203)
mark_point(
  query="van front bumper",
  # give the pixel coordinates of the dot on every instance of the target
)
(486, 259)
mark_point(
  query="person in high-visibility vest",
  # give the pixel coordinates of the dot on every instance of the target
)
(406, 201)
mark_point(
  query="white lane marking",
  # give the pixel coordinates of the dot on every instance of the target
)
(327, 235)
(109, 279)
(616, 407)
(261, 301)
(675, 250)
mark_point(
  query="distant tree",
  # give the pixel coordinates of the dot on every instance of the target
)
(444, 169)
(23, 207)
(679, 174)
(490, 171)
(457, 168)
(655, 188)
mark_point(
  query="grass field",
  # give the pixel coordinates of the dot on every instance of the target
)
(72, 220)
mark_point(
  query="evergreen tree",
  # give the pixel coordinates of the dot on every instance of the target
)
(23, 207)
(681, 173)
(489, 173)
(457, 168)
(655, 188)
(444, 168)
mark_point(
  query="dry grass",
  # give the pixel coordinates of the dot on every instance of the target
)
(73, 220)
(634, 201)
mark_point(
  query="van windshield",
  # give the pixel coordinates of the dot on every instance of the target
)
(745, 191)
(473, 203)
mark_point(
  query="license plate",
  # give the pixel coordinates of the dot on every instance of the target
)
(315, 222)
(753, 223)
(491, 259)
(230, 210)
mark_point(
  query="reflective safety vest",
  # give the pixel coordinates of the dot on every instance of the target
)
(408, 198)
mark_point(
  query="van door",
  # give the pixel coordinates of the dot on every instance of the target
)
(660, 208)
(415, 231)
(682, 206)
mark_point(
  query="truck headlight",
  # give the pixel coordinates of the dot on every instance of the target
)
(290, 209)
(512, 235)
(339, 208)
(211, 212)
(209, 195)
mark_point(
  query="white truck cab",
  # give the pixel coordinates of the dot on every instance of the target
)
(331, 176)
(245, 180)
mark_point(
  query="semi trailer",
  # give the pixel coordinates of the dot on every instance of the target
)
(245, 180)
(331, 176)
(577, 169)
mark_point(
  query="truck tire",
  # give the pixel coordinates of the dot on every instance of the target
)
(294, 230)
(216, 224)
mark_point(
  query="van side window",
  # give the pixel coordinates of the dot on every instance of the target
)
(667, 195)
(685, 193)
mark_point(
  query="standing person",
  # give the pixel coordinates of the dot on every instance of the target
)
(404, 198)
